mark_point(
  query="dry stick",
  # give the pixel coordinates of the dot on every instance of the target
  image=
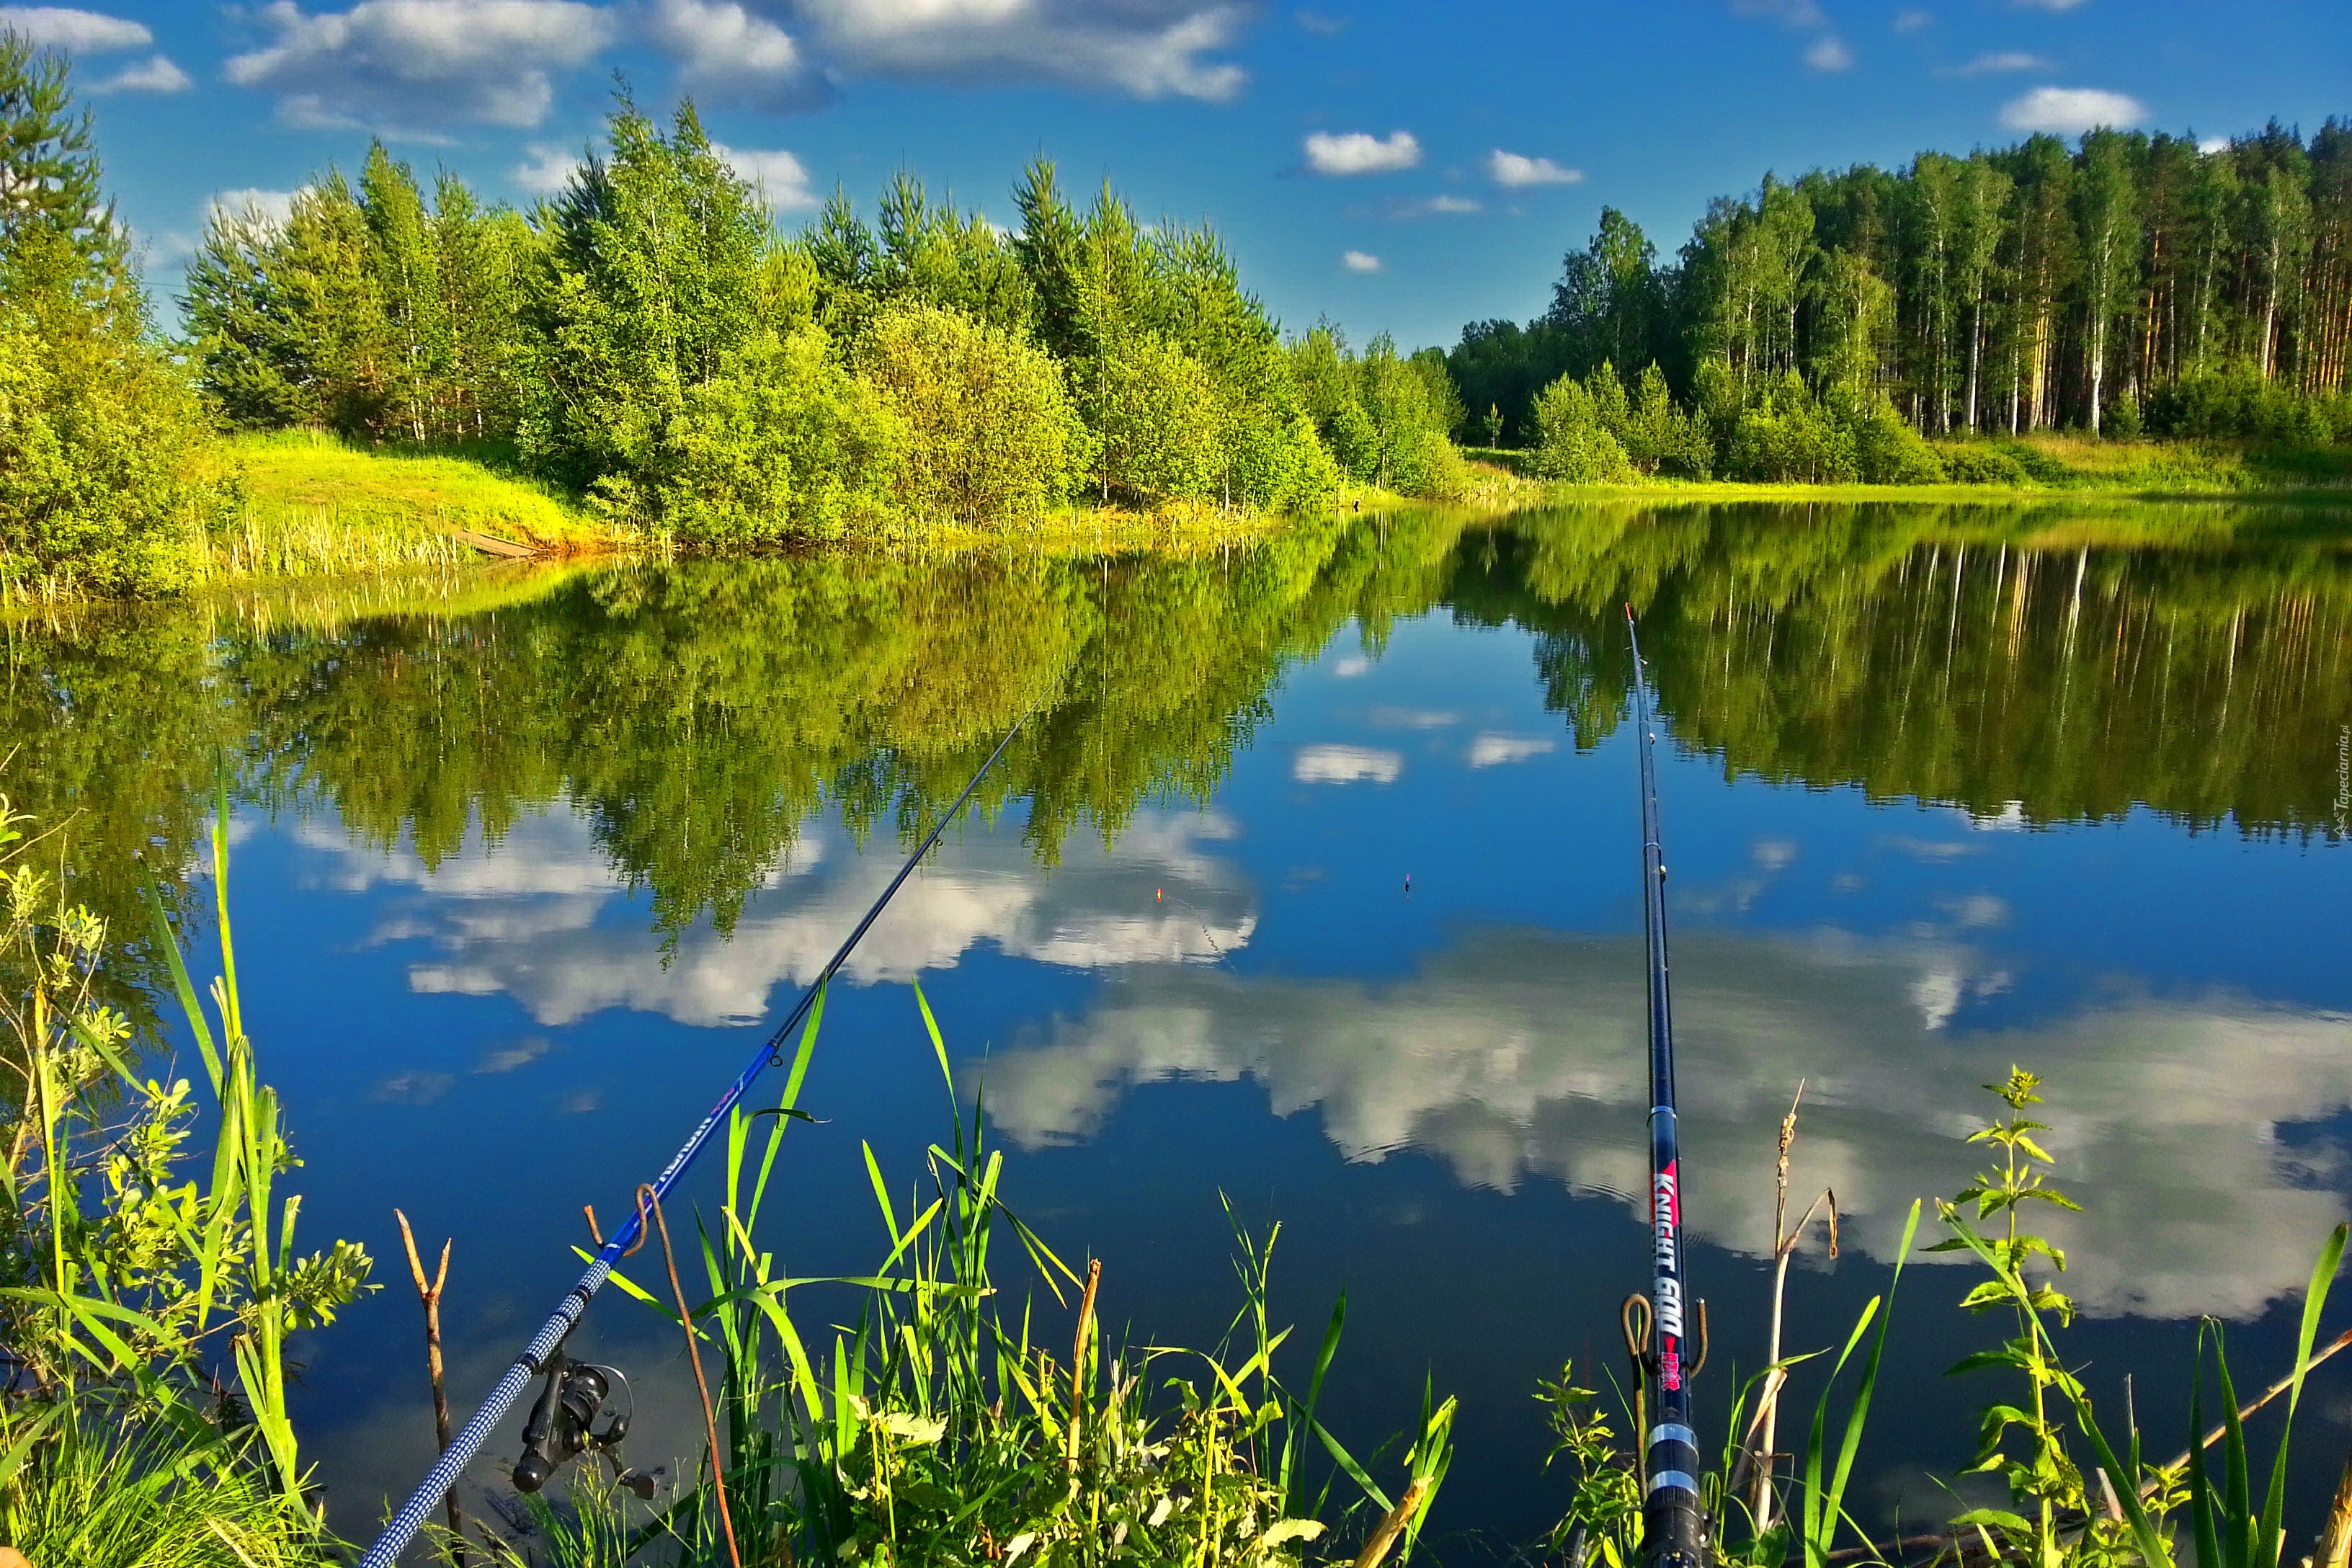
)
(1756, 1447)
(693, 1352)
(2336, 1538)
(431, 1295)
(1392, 1524)
(1078, 1360)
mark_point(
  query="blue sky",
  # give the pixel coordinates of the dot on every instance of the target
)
(1394, 166)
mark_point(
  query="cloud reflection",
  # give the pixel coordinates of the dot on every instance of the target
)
(542, 917)
(1519, 1056)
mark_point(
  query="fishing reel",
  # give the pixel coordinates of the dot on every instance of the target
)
(562, 1424)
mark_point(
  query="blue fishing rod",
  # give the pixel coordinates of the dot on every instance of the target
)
(1673, 1519)
(543, 1352)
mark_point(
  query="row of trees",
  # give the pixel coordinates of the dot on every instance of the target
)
(102, 443)
(648, 339)
(2132, 277)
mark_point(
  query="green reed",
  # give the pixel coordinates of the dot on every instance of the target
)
(935, 1428)
(2066, 1510)
(125, 1283)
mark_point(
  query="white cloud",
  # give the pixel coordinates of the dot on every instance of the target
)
(1912, 21)
(1516, 1056)
(77, 32)
(156, 74)
(546, 168)
(729, 54)
(413, 68)
(1360, 261)
(1773, 854)
(1355, 664)
(527, 917)
(1148, 49)
(2004, 62)
(780, 175)
(1492, 751)
(2069, 111)
(1321, 25)
(1787, 13)
(1515, 171)
(1442, 205)
(2210, 144)
(2047, 5)
(1828, 52)
(1346, 764)
(267, 209)
(1360, 152)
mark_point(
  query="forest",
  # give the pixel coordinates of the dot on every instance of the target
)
(650, 345)
(2132, 283)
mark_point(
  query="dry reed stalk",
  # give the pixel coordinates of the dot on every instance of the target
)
(431, 1295)
(1757, 1446)
(1078, 1361)
(1392, 1524)
(2335, 1537)
(645, 1193)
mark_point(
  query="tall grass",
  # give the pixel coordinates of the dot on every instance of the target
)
(935, 1427)
(144, 1311)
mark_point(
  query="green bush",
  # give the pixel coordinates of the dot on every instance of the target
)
(2237, 402)
(106, 459)
(1981, 463)
(787, 444)
(991, 431)
(1571, 443)
(1158, 423)
(1887, 450)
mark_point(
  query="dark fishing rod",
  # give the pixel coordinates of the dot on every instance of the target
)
(540, 1353)
(1673, 1522)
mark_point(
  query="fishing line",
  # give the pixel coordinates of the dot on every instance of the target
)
(544, 1345)
(1673, 1524)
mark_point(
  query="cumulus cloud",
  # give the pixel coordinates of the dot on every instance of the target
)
(155, 74)
(267, 209)
(546, 168)
(2047, 5)
(2071, 110)
(1912, 21)
(1829, 53)
(1518, 1056)
(522, 919)
(1442, 205)
(1148, 49)
(1493, 751)
(76, 32)
(1515, 171)
(780, 175)
(1362, 153)
(1359, 261)
(1346, 764)
(413, 68)
(2210, 144)
(1319, 23)
(2002, 62)
(729, 54)
(1787, 13)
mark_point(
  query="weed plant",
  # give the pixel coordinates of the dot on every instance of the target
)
(935, 1428)
(2076, 1498)
(145, 1311)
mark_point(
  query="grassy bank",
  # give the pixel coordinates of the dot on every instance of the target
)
(2035, 465)
(312, 505)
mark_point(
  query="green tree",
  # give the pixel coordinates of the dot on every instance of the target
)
(991, 435)
(105, 458)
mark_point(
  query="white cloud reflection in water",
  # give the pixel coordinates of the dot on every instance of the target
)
(1518, 1055)
(541, 915)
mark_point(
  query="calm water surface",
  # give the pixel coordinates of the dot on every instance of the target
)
(1314, 885)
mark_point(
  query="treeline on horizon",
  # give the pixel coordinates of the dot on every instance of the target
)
(2131, 283)
(649, 342)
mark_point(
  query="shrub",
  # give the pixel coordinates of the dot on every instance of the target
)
(1981, 463)
(1887, 450)
(1571, 442)
(990, 432)
(788, 445)
(1157, 421)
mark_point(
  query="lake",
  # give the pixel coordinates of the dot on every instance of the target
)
(1313, 883)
